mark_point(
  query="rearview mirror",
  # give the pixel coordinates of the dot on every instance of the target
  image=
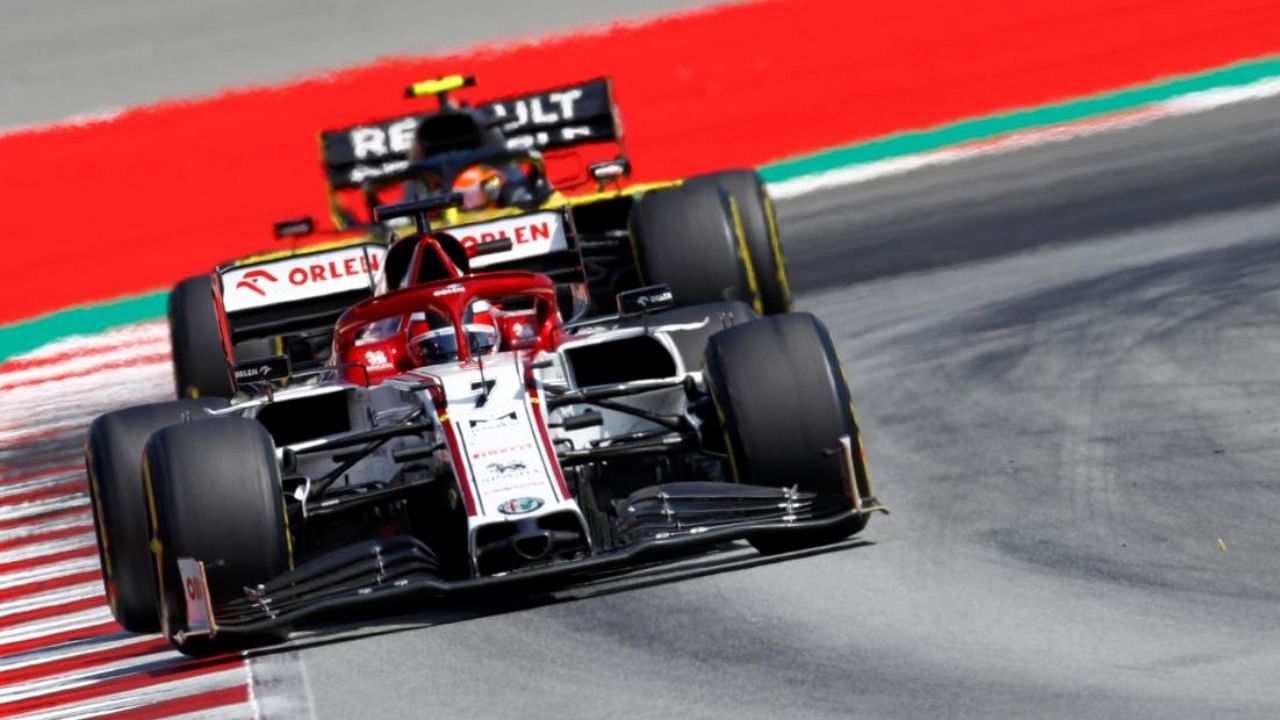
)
(610, 170)
(297, 227)
(267, 369)
(645, 300)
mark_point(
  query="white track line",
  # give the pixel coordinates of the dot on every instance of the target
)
(1188, 104)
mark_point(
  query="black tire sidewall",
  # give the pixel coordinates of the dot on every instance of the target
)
(685, 237)
(113, 462)
(201, 367)
(784, 403)
(215, 485)
(760, 230)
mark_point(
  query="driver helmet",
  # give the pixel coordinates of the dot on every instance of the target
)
(480, 186)
(432, 339)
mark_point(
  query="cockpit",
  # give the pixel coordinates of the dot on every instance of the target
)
(447, 322)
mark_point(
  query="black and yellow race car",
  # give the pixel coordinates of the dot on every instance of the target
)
(516, 189)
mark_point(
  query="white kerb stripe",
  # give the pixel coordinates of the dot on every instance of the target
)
(54, 626)
(104, 706)
(52, 571)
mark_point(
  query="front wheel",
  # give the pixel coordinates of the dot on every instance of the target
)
(215, 487)
(113, 459)
(785, 406)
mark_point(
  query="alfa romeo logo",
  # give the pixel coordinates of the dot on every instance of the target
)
(520, 506)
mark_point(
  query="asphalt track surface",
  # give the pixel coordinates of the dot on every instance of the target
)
(1064, 362)
(65, 58)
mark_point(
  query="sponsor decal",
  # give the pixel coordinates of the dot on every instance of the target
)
(531, 232)
(504, 457)
(453, 289)
(376, 358)
(360, 173)
(320, 272)
(548, 119)
(253, 373)
(554, 108)
(657, 298)
(504, 450)
(520, 506)
(250, 281)
(530, 235)
(377, 142)
(498, 422)
(274, 367)
(514, 466)
(645, 299)
(196, 596)
(301, 277)
(557, 118)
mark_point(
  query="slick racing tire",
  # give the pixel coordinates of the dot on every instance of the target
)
(201, 367)
(782, 397)
(216, 490)
(687, 238)
(113, 458)
(760, 229)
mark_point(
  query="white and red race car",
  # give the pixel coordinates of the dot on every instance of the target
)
(467, 437)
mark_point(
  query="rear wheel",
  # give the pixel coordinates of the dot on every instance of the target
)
(113, 457)
(216, 490)
(687, 237)
(201, 367)
(785, 406)
(760, 230)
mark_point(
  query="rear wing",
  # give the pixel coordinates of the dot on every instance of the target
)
(553, 119)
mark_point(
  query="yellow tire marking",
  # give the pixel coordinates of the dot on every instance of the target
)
(775, 244)
(155, 546)
(724, 428)
(744, 256)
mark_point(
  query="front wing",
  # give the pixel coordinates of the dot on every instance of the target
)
(402, 567)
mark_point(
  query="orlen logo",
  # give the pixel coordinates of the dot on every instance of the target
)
(533, 232)
(251, 278)
(332, 270)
